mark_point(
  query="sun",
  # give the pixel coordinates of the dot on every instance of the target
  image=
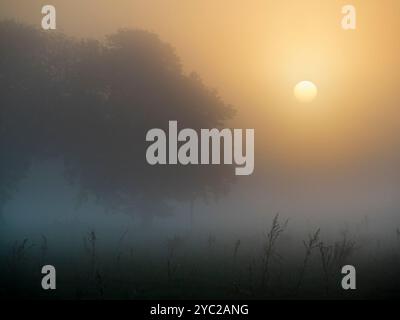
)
(305, 91)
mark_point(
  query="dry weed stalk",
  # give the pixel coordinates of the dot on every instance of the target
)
(327, 259)
(90, 247)
(310, 245)
(236, 249)
(120, 246)
(269, 247)
(333, 257)
(173, 245)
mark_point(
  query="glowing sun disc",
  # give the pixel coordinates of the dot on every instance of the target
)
(305, 91)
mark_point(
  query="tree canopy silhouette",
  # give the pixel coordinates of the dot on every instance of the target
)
(91, 103)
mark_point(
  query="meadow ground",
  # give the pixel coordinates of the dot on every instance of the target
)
(204, 266)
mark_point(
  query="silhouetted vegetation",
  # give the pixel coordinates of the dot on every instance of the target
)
(91, 103)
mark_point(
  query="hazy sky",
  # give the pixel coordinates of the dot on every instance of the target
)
(254, 52)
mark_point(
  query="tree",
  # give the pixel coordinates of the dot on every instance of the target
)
(92, 103)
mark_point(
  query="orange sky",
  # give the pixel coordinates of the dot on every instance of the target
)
(254, 52)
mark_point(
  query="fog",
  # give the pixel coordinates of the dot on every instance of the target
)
(46, 204)
(75, 188)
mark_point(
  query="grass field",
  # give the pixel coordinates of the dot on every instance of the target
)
(274, 265)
